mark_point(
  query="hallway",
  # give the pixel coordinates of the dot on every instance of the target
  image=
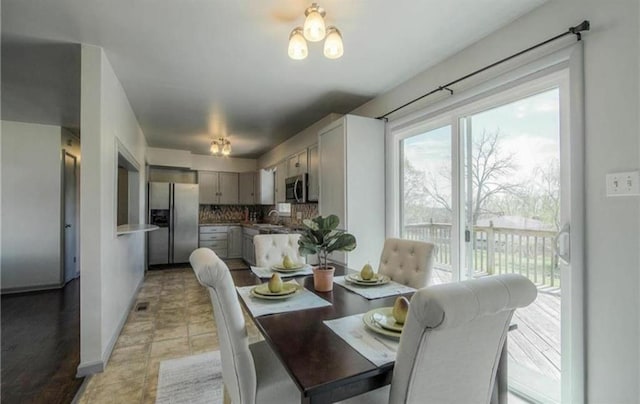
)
(41, 345)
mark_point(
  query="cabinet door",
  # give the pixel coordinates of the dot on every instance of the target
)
(281, 176)
(292, 166)
(246, 193)
(235, 242)
(208, 187)
(302, 162)
(313, 185)
(332, 179)
(228, 188)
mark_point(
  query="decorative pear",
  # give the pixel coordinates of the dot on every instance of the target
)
(400, 309)
(275, 284)
(288, 262)
(367, 272)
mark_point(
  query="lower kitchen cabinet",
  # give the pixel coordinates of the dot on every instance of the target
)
(234, 242)
(215, 238)
(248, 250)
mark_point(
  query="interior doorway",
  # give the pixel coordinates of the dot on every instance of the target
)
(69, 217)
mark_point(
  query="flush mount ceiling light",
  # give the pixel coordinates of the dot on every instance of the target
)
(221, 145)
(314, 30)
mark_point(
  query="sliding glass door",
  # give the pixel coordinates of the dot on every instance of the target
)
(485, 182)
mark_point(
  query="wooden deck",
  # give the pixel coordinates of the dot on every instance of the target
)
(535, 344)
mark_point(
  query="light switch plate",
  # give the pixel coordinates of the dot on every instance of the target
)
(623, 184)
(298, 215)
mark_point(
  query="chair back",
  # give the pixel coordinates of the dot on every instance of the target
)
(408, 262)
(452, 340)
(238, 368)
(271, 249)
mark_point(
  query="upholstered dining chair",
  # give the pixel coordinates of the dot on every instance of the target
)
(271, 249)
(251, 372)
(454, 332)
(408, 262)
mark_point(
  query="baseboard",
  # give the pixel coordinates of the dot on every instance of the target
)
(27, 289)
(89, 368)
(99, 366)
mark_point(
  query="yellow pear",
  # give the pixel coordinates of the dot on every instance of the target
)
(275, 284)
(367, 272)
(288, 262)
(400, 309)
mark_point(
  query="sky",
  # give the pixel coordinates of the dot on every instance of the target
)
(530, 131)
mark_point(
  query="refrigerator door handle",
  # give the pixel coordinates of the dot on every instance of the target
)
(172, 220)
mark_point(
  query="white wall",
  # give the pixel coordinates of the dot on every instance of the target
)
(611, 63)
(186, 159)
(31, 178)
(112, 267)
(296, 143)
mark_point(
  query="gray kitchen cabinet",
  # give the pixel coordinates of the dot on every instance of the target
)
(313, 184)
(215, 238)
(352, 184)
(218, 188)
(234, 242)
(297, 164)
(265, 187)
(248, 251)
(281, 176)
(247, 188)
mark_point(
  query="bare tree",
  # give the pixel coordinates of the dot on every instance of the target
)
(491, 173)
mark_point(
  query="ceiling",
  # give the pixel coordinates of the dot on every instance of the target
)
(193, 69)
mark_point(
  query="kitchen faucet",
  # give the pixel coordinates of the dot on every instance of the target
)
(277, 214)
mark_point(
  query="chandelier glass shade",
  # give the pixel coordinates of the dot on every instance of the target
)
(315, 30)
(221, 145)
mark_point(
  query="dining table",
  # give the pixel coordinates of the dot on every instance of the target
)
(324, 367)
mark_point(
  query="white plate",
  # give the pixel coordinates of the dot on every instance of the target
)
(275, 297)
(382, 279)
(280, 268)
(371, 324)
(384, 318)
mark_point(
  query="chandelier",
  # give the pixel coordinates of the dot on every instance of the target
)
(221, 145)
(314, 30)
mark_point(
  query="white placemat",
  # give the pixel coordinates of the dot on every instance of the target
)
(260, 307)
(374, 292)
(376, 348)
(266, 273)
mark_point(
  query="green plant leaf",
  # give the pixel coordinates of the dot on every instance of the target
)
(331, 222)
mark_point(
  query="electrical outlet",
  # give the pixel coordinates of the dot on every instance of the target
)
(298, 215)
(623, 184)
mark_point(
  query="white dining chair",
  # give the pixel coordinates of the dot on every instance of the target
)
(271, 249)
(408, 262)
(251, 373)
(451, 343)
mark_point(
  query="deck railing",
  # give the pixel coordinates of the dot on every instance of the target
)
(496, 250)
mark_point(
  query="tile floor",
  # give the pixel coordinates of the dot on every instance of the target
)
(178, 322)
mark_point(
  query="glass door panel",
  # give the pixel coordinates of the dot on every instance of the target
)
(511, 204)
(426, 203)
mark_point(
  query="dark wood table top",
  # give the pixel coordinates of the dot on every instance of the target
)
(322, 364)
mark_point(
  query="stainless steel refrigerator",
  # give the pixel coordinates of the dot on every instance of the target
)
(175, 209)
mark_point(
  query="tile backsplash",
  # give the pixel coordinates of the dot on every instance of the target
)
(236, 213)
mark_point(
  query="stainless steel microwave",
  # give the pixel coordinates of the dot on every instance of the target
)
(296, 189)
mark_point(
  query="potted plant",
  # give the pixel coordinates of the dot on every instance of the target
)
(321, 236)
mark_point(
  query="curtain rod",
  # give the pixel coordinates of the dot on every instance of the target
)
(576, 30)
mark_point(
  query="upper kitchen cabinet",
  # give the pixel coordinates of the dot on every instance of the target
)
(265, 187)
(218, 188)
(313, 185)
(247, 191)
(281, 176)
(297, 164)
(351, 157)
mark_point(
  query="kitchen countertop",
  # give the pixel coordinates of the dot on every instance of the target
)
(262, 227)
(134, 228)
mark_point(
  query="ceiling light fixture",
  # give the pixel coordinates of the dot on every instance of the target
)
(221, 145)
(314, 30)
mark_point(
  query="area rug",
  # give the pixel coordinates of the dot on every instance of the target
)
(195, 379)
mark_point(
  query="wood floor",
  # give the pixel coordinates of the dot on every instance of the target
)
(41, 346)
(535, 344)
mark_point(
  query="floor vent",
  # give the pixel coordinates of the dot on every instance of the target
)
(142, 306)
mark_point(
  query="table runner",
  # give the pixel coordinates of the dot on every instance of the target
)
(374, 292)
(266, 273)
(261, 307)
(376, 348)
